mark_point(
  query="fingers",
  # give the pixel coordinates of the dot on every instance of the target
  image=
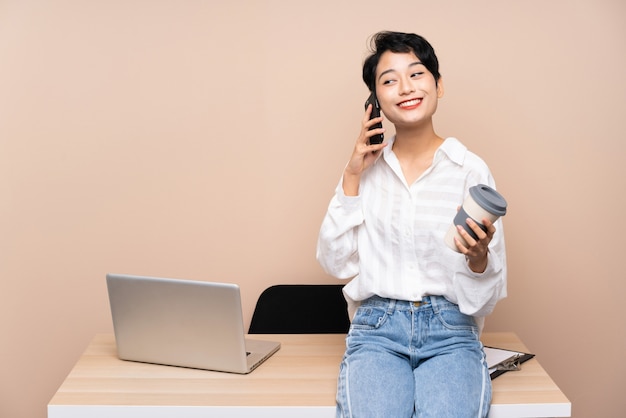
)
(476, 246)
(367, 114)
(370, 122)
(364, 153)
(367, 132)
(478, 231)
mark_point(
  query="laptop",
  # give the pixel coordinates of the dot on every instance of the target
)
(183, 323)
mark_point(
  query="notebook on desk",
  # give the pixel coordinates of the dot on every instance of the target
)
(183, 323)
(500, 360)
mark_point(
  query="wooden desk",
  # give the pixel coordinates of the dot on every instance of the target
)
(298, 381)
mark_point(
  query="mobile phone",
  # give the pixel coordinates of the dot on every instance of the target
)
(378, 138)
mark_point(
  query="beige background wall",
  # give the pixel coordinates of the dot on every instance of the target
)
(203, 140)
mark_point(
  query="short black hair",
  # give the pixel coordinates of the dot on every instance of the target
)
(398, 42)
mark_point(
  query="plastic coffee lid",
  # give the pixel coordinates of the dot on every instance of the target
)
(489, 199)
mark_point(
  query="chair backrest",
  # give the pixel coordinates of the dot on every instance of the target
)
(301, 309)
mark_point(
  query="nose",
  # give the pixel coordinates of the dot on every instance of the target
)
(406, 86)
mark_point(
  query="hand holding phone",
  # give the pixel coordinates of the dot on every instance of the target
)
(373, 100)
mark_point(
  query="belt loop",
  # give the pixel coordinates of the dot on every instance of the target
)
(391, 307)
(434, 304)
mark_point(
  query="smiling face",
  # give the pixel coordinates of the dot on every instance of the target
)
(407, 92)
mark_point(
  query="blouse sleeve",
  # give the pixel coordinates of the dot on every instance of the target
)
(337, 245)
(478, 293)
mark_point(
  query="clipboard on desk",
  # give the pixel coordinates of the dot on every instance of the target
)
(500, 360)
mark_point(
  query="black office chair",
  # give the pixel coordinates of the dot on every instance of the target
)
(300, 309)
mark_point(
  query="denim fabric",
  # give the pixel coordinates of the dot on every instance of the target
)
(405, 361)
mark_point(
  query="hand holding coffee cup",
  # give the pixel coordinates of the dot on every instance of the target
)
(483, 202)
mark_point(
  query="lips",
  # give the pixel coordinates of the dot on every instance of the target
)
(410, 104)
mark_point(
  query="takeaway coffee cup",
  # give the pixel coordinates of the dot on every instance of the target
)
(483, 202)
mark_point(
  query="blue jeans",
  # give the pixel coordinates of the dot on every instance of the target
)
(404, 361)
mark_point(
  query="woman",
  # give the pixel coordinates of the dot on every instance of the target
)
(417, 306)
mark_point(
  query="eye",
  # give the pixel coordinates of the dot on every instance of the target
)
(414, 75)
(388, 81)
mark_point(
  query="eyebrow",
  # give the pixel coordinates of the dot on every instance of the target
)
(391, 70)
